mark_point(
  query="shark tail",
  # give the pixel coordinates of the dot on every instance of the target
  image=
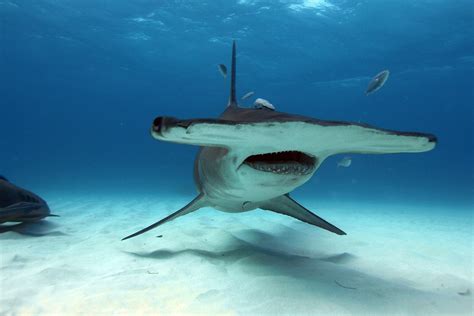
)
(194, 205)
(287, 206)
(233, 98)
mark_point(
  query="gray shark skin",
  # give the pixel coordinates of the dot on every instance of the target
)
(20, 205)
(253, 158)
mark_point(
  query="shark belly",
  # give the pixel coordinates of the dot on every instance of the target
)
(231, 186)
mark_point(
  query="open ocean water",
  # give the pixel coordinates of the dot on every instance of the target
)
(82, 81)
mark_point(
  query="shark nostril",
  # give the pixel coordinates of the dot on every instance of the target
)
(157, 123)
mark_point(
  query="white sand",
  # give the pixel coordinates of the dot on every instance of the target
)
(397, 260)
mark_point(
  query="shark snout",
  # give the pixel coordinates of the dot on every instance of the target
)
(168, 128)
(158, 124)
(161, 123)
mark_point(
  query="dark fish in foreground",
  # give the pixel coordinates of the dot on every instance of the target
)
(377, 82)
(223, 70)
(253, 158)
(20, 205)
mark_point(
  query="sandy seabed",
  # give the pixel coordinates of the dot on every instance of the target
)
(395, 260)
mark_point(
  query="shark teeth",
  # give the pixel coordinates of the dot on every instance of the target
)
(292, 168)
(283, 162)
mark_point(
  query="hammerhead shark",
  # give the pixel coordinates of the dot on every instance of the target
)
(253, 158)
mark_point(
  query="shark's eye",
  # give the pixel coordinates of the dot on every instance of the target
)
(157, 123)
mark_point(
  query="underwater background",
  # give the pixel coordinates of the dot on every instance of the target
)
(82, 80)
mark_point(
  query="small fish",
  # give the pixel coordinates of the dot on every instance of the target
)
(223, 70)
(345, 162)
(248, 95)
(377, 82)
(465, 293)
(262, 103)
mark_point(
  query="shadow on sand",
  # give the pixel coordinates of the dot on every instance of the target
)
(263, 254)
(255, 244)
(305, 274)
(35, 229)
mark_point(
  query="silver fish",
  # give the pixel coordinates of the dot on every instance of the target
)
(345, 162)
(262, 103)
(248, 95)
(377, 82)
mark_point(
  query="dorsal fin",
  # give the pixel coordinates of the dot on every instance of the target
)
(232, 98)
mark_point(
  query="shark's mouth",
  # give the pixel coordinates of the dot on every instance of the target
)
(284, 162)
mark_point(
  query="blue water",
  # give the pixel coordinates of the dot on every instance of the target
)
(81, 82)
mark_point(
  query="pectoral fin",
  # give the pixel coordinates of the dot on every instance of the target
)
(287, 206)
(194, 205)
